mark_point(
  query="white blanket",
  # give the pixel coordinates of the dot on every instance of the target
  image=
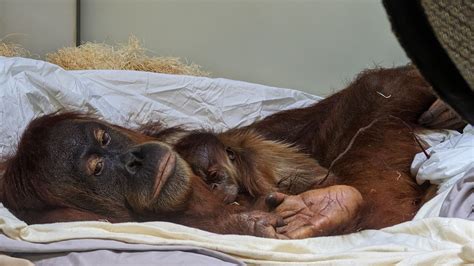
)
(30, 88)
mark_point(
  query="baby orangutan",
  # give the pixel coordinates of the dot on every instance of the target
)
(261, 173)
(243, 162)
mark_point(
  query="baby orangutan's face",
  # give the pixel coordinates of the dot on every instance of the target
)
(211, 160)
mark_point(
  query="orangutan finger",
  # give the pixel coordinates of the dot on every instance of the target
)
(274, 199)
(285, 213)
(432, 113)
(280, 222)
(281, 236)
(282, 230)
(448, 120)
(302, 232)
(291, 226)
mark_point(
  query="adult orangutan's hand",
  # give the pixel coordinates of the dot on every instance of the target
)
(255, 223)
(317, 212)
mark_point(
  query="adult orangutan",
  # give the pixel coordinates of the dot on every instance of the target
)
(345, 159)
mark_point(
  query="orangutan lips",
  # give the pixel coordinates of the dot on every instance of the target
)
(165, 169)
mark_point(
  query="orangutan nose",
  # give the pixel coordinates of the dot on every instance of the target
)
(133, 160)
(136, 157)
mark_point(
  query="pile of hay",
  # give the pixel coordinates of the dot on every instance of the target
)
(11, 49)
(130, 56)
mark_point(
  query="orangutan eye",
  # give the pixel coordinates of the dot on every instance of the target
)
(102, 137)
(105, 139)
(99, 167)
(230, 153)
(96, 166)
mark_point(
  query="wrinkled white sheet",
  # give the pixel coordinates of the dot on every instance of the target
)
(451, 157)
(29, 88)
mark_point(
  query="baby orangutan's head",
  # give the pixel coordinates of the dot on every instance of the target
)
(211, 160)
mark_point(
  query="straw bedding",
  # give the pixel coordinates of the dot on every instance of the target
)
(129, 56)
(12, 49)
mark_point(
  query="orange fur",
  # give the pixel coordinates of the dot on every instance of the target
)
(263, 166)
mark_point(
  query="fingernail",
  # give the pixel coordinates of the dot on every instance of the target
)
(271, 200)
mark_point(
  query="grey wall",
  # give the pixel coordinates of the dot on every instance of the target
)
(314, 45)
(40, 26)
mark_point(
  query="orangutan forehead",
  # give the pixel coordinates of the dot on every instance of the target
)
(68, 139)
(74, 131)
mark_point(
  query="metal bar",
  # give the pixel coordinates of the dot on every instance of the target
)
(78, 22)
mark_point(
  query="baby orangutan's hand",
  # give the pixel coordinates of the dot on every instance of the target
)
(317, 212)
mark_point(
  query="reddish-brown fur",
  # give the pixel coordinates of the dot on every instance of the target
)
(378, 113)
(378, 162)
(243, 161)
(375, 161)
